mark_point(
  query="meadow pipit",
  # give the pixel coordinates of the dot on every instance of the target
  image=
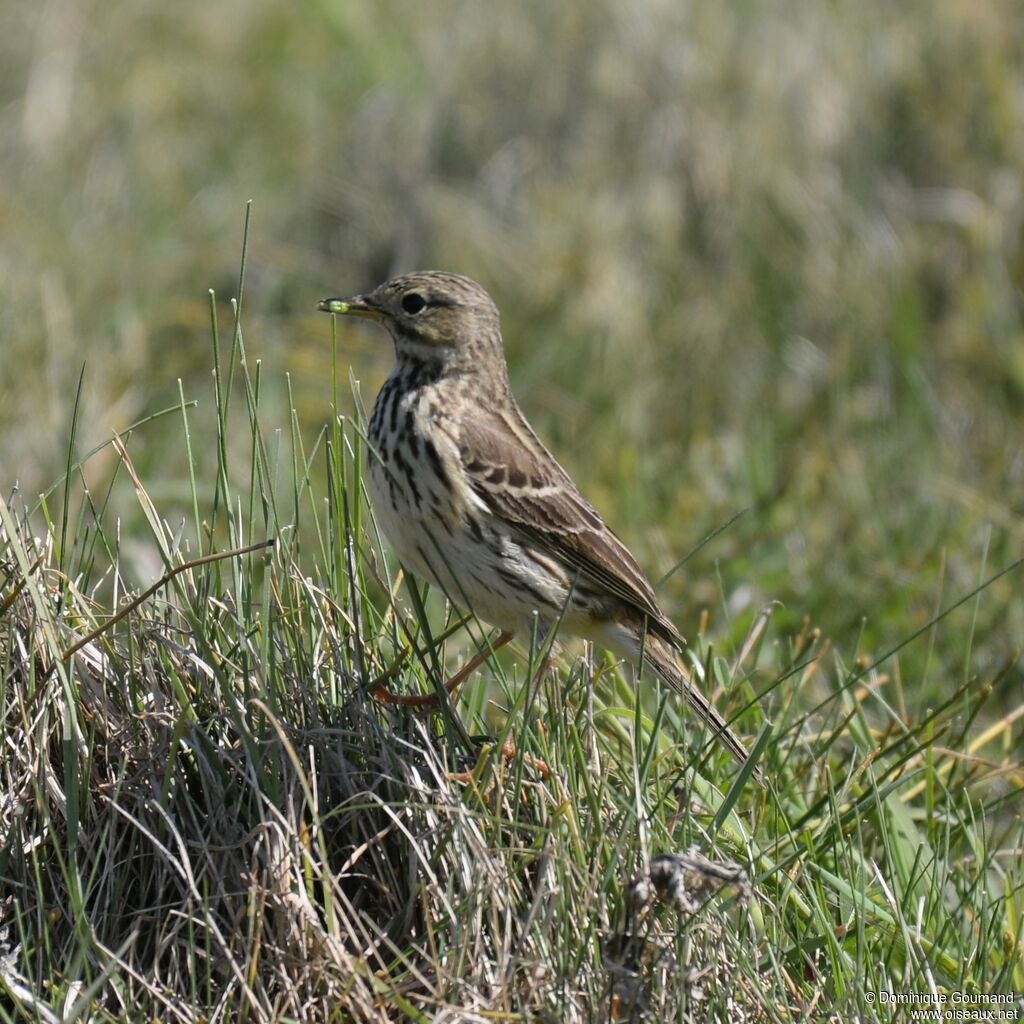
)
(472, 500)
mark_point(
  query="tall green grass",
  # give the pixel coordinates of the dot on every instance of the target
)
(206, 816)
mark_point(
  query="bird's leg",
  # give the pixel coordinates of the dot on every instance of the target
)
(431, 701)
(508, 748)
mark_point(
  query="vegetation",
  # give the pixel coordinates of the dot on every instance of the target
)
(748, 263)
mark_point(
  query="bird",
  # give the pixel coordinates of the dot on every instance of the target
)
(474, 503)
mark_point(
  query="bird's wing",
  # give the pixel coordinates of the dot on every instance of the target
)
(519, 480)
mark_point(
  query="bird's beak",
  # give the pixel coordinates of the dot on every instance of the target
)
(357, 305)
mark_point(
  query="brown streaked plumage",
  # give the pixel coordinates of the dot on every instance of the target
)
(472, 500)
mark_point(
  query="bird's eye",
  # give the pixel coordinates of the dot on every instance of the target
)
(413, 303)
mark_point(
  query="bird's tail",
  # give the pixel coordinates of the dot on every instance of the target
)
(662, 658)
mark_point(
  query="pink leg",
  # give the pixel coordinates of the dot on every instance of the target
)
(507, 752)
(430, 701)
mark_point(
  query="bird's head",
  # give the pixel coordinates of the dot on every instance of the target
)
(432, 317)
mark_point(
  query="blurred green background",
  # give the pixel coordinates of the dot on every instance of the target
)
(748, 255)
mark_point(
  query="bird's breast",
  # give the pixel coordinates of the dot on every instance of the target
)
(414, 473)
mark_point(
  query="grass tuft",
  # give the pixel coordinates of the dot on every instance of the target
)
(207, 816)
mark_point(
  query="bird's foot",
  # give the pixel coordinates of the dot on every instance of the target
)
(431, 702)
(507, 752)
